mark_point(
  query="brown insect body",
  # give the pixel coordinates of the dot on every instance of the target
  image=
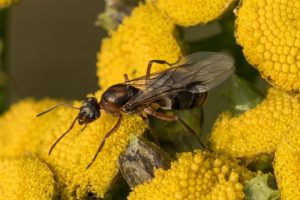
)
(115, 97)
(184, 85)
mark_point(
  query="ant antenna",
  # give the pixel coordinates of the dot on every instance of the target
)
(60, 104)
(72, 125)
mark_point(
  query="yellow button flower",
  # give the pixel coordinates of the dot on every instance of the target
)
(6, 3)
(258, 130)
(269, 33)
(145, 35)
(198, 175)
(287, 165)
(22, 132)
(19, 128)
(26, 178)
(192, 12)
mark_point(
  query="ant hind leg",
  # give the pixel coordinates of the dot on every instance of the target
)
(152, 131)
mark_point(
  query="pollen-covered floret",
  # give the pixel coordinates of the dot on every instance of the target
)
(23, 132)
(192, 12)
(258, 130)
(26, 178)
(145, 35)
(6, 3)
(268, 31)
(198, 175)
(287, 165)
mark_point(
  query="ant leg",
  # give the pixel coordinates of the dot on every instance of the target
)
(193, 132)
(72, 125)
(160, 115)
(84, 127)
(150, 63)
(126, 78)
(114, 129)
(165, 117)
(152, 131)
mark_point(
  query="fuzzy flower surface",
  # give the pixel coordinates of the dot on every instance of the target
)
(198, 175)
(287, 165)
(146, 35)
(258, 130)
(192, 12)
(26, 178)
(274, 42)
(22, 132)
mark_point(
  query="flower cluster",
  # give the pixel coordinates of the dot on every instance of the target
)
(258, 130)
(198, 175)
(287, 165)
(274, 44)
(192, 12)
(71, 156)
(150, 33)
(272, 126)
(26, 177)
(146, 35)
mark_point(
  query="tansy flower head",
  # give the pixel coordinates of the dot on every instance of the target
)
(198, 175)
(20, 131)
(287, 165)
(192, 12)
(146, 35)
(26, 178)
(258, 130)
(74, 152)
(274, 42)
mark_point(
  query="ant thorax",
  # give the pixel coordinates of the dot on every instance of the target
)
(115, 97)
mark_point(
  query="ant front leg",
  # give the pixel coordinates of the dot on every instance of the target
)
(114, 129)
(166, 117)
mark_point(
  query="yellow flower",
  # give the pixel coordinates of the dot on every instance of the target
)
(26, 178)
(258, 130)
(269, 33)
(287, 165)
(6, 3)
(198, 175)
(192, 12)
(18, 127)
(23, 132)
(145, 35)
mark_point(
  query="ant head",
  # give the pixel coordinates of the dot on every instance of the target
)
(89, 111)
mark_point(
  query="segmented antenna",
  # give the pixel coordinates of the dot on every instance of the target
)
(54, 107)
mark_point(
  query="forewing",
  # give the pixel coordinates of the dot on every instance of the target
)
(198, 72)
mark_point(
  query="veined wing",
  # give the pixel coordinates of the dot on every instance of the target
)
(197, 73)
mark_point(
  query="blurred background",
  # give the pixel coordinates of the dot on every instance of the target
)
(51, 48)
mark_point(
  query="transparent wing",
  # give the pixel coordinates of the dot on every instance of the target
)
(197, 73)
